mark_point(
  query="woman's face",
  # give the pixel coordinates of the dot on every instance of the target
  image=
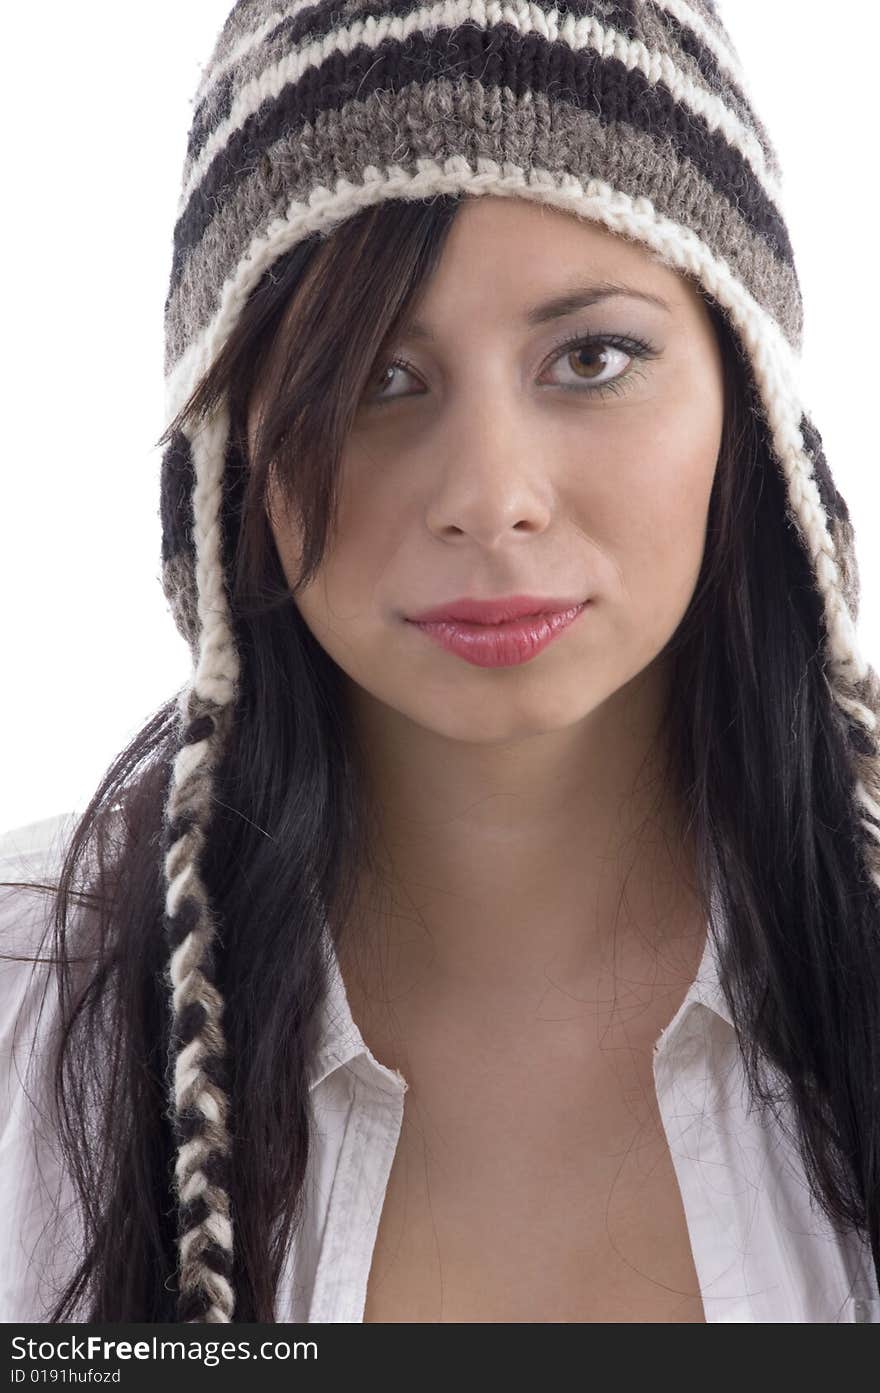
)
(498, 463)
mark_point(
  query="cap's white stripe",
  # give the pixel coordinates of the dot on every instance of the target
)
(243, 46)
(580, 34)
(709, 37)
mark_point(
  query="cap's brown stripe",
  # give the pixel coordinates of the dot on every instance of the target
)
(715, 78)
(497, 57)
(315, 23)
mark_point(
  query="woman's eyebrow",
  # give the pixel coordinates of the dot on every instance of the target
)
(579, 297)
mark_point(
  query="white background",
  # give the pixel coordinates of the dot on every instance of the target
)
(97, 102)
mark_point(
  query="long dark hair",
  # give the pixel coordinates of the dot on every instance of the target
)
(757, 746)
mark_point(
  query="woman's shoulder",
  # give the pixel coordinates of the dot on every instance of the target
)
(34, 847)
(30, 858)
(32, 1179)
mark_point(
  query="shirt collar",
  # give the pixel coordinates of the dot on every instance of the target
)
(706, 986)
(341, 1042)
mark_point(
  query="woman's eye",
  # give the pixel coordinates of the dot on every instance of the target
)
(596, 364)
(591, 365)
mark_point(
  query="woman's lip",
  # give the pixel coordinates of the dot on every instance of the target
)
(500, 645)
(501, 610)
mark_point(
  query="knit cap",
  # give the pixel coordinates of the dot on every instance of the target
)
(635, 114)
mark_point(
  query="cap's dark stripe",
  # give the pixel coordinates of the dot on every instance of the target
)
(319, 21)
(607, 89)
(704, 58)
(622, 16)
(831, 499)
(175, 508)
(211, 110)
(716, 79)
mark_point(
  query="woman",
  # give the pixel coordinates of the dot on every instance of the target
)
(432, 948)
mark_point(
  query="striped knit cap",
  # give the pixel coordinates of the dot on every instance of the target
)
(634, 114)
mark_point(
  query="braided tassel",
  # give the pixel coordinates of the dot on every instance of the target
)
(197, 1080)
(197, 1051)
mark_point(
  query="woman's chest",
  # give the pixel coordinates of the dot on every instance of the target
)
(529, 1210)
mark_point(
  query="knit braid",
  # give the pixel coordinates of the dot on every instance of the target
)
(197, 1047)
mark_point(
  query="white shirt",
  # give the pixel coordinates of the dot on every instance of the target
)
(763, 1252)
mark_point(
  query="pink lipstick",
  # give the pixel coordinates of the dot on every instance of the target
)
(511, 631)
